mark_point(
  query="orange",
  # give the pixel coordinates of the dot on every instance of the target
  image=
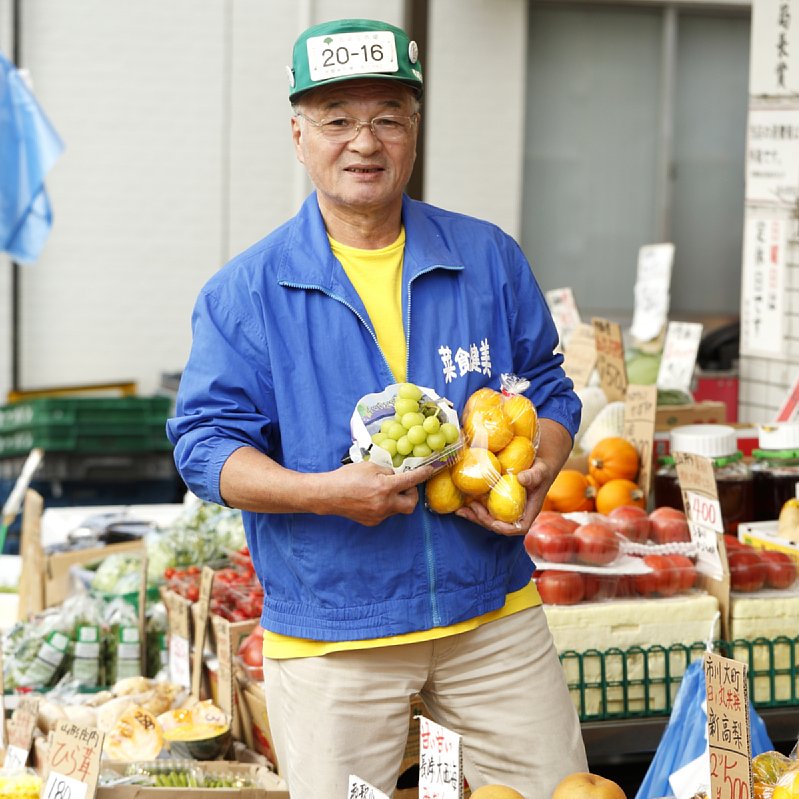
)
(496, 792)
(476, 471)
(507, 499)
(488, 427)
(521, 414)
(441, 494)
(517, 456)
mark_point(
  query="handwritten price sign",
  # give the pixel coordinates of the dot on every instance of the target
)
(610, 359)
(440, 762)
(728, 728)
(360, 789)
(74, 762)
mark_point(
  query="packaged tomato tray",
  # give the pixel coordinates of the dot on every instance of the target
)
(405, 426)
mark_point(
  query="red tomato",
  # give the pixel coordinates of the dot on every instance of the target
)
(747, 570)
(632, 522)
(668, 525)
(685, 570)
(561, 587)
(557, 518)
(251, 653)
(599, 586)
(597, 544)
(780, 568)
(667, 577)
(550, 542)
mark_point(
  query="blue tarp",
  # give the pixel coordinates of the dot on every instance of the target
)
(29, 146)
(685, 736)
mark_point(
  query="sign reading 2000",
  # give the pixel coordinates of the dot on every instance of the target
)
(351, 54)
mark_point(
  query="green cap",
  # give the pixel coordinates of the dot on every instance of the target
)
(347, 49)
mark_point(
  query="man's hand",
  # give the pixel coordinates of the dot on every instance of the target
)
(369, 494)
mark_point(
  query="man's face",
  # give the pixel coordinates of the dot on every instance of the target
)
(366, 174)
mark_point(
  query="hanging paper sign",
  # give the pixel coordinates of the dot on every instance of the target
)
(564, 312)
(651, 291)
(728, 727)
(774, 50)
(640, 409)
(440, 761)
(20, 732)
(772, 156)
(360, 789)
(610, 359)
(579, 358)
(678, 361)
(74, 762)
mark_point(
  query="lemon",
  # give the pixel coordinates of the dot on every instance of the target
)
(517, 456)
(441, 494)
(507, 499)
(476, 471)
(488, 427)
(522, 415)
(482, 398)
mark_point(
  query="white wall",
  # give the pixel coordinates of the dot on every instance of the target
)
(178, 155)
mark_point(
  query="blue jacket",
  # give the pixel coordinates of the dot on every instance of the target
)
(282, 351)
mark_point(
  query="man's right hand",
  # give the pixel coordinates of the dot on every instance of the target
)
(369, 494)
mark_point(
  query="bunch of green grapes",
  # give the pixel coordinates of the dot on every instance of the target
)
(418, 428)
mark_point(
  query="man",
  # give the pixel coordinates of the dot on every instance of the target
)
(369, 597)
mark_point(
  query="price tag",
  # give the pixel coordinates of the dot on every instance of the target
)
(206, 584)
(73, 761)
(705, 511)
(179, 649)
(610, 359)
(651, 291)
(440, 761)
(579, 359)
(360, 789)
(640, 408)
(728, 728)
(20, 732)
(564, 312)
(679, 355)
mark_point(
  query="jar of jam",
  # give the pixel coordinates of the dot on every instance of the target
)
(734, 480)
(775, 469)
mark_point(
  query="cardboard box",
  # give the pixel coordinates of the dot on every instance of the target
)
(255, 707)
(763, 535)
(270, 785)
(669, 416)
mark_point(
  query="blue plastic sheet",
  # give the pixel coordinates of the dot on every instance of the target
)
(29, 147)
(685, 736)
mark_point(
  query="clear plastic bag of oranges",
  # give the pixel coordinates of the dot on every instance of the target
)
(501, 439)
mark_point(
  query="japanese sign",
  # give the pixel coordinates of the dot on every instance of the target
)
(651, 291)
(774, 53)
(440, 762)
(610, 359)
(564, 312)
(763, 286)
(640, 408)
(360, 789)
(579, 360)
(772, 155)
(74, 762)
(206, 584)
(679, 355)
(728, 729)
(701, 501)
(179, 649)
(20, 732)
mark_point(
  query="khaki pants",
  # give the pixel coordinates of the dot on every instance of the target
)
(501, 687)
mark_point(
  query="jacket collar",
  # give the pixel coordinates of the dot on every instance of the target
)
(302, 265)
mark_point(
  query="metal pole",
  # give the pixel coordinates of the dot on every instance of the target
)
(16, 293)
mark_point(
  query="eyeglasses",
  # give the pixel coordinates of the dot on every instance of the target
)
(345, 129)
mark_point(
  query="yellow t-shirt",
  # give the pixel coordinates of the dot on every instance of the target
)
(377, 277)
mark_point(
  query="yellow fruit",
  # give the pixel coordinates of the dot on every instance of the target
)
(507, 499)
(488, 427)
(521, 414)
(517, 456)
(482, 398)
(441, 494)
(476, 471)
(496, 792)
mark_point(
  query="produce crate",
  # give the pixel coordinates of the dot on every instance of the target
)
(643, 681)
(95, 466)
(84, 424)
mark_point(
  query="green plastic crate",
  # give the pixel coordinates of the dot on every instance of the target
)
(643, 681)
(84, 424)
